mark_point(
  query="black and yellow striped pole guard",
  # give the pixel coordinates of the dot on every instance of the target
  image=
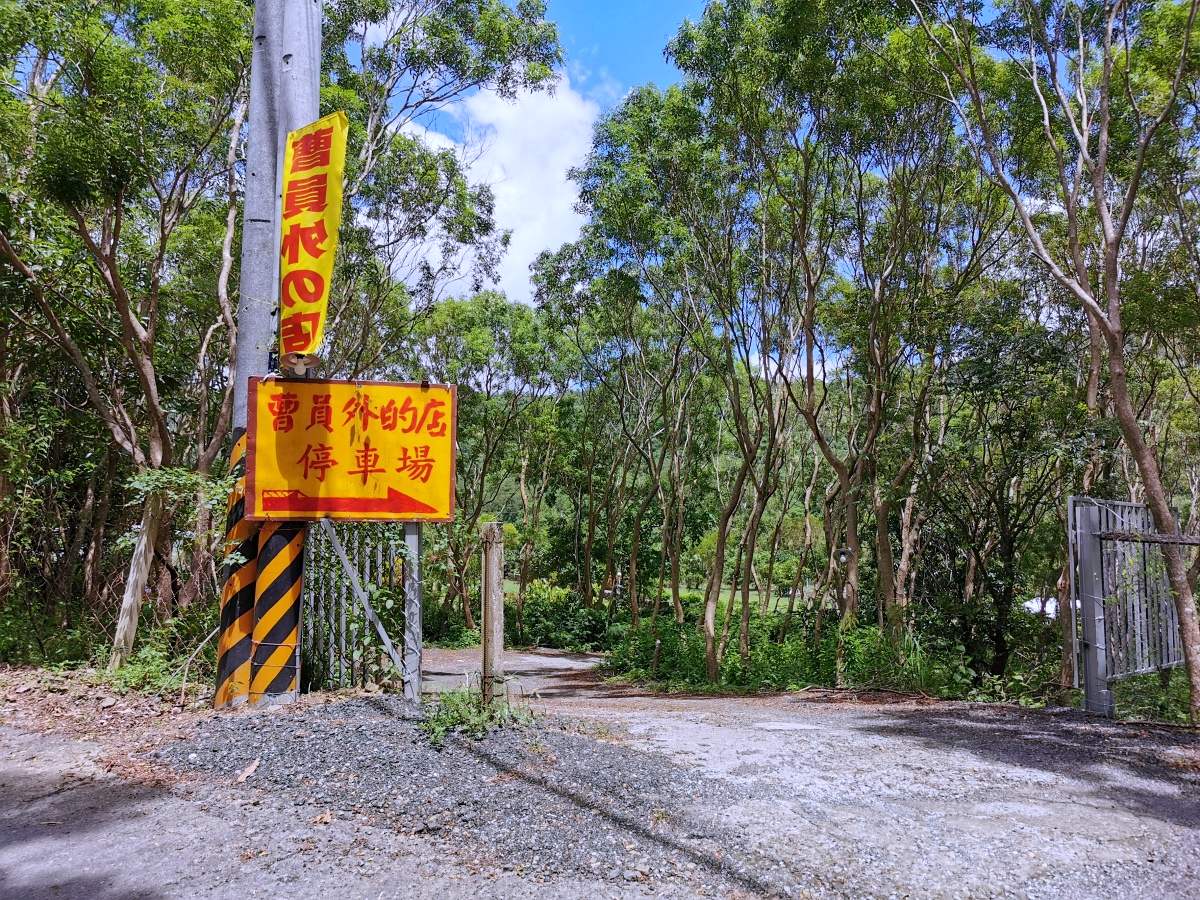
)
(275, 662)
(237, 593)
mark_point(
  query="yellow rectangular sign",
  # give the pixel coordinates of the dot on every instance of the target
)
(311, 213)
(350, 450)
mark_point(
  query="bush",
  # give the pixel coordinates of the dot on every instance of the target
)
(1160, 697)
(162, 650)
(446, 628)
(870, 660)
(32, 635)
(553, 617)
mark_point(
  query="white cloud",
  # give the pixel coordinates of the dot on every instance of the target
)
(598, 84)
(524, 148)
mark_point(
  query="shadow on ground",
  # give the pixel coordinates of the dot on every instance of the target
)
(54, 813)
(731, 867)
(1129, 766)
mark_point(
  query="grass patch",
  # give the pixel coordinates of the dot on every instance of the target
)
(1161, 697)
(465, 712)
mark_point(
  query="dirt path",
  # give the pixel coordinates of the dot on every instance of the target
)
(650, 796)
(925, 798)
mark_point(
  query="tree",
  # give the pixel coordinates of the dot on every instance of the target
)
(126, 138)
(502, 358)
(1072, 108)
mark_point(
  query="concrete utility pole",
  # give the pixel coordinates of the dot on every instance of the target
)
(255, 339)
(258, 278)
(285, 94)
(299, 67)
(260, 610)
(277, 600)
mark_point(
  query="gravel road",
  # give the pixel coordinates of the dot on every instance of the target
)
(611, 792)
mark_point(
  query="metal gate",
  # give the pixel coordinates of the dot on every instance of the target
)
(1126, 620)
(361, 584)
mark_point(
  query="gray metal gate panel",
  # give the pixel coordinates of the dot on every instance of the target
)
(1128, 622)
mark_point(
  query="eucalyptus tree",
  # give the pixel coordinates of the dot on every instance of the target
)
(676, 221)
(504, 361)
(124, 139)
(421, 230)
(884, 229)
(1073, 110)
(1013, 436)
(633, 350)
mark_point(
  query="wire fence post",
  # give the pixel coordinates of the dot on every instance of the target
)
(412, 612)
(493, 608)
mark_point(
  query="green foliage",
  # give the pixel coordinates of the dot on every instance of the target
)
(871, 660)
(554, 617)
(445, 627)
(179, 485)
(157, 663)
(464, 711)
(1161, 697)
(31, 634)
(451, 633)
(680, 657)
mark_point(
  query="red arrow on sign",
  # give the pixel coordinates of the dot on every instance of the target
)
(395, 502)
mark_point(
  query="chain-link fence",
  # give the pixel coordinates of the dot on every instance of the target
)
(340, 647)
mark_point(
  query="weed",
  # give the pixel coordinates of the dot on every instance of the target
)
(466, 712)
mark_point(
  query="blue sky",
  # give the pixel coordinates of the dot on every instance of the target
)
(619, 42)
(524, 148)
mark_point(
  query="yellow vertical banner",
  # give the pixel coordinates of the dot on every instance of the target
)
(311, 212)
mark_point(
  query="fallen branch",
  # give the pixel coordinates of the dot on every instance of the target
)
(199, 647)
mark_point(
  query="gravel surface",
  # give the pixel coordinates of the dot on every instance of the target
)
(949, 800)
(612, 792)
(547, 800)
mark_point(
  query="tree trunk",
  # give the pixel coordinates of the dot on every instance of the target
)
(1066, 669)
(969, 579)
(635, 542)
(166, 581)
(910, 529)
(468, 613)
(193, 588)
(733, 592)
(93, 572)
(885, 586)
(1004, 599)
(1164, 521)
(764, 599)
(751, 542)
(713, 592)
(849, 601)
(677, 552)
(135, 583)
(588, 541)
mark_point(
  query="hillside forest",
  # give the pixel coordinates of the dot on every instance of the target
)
(857, 304)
